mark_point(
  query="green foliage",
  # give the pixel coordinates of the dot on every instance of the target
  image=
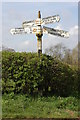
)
(22, 106)
(27, 74)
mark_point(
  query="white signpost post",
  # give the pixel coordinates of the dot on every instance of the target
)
(36, 27)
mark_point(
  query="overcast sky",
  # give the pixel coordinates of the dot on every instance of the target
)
(13, 14)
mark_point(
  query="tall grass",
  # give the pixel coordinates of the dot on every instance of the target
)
(22, 106)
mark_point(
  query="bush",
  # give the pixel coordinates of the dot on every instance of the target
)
(27, 74)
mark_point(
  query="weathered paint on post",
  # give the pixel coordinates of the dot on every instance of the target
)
(39, 37)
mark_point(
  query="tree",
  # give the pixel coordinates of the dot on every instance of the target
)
(68, 56)
(7, 49)
(75, 56)
(64, 54)
(57, 51)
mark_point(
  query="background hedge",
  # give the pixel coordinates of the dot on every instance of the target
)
(25, 73)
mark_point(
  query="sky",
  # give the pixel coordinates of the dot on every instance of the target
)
(14, 13)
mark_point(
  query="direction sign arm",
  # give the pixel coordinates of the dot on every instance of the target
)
(20, 31)
(51, 19)
(16, 31)
(56, 32)
(28, 24)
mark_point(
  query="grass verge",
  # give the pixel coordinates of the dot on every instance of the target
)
(22, 106)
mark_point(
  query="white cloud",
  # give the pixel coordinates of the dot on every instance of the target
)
(28, 46)
(74, 30)
(59, 27)
(25, 43)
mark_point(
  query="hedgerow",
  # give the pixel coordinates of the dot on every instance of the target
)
(26, 73)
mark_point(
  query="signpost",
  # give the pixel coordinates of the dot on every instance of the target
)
(36, 27)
